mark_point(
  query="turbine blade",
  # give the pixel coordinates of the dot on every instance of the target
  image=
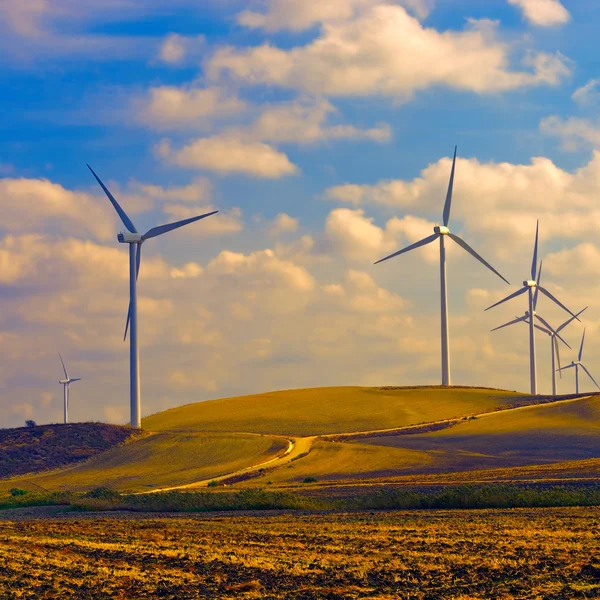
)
(77, 379)
(513, 295)
(590, 376)
(537, 289)
(567, 367)
(542, 329)
(517, 320)
(418, 244)
(557, 354)
(138, 260)
(549, 295)
(581, 347)
(545, 323)
(472, 252)
(63, 366)
(448, 203)
(535, 252)
(571, 319)
(127, 322)
(155, 231)
(557, 335)
(126, 220)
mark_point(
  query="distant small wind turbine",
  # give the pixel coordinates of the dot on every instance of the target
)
(576, 364)
(441, 231)
(135, 241)
(65, 383)
(529, 286)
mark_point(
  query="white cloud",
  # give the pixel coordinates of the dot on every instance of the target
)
(588, 93)
(367, 55)
(304, 122)
(198, 191)
(574, 132)
(177, 49)
(297, 16)
(353, 235)
(173, 49)
(170, 107)
(283, 223)
(488, 200)
(40, 205)
(225, 154)
(543, 13)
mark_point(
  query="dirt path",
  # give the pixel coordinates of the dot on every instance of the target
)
(298, 446)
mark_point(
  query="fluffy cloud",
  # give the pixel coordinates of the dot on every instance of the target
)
(225, 154)
(543, 13)
(297, 16)
(170, 107)
(40, 205)
(283, 223)
(366, 55)
(488, 197)
(350, 234)
(573, 132)
(304, 122)
(175, 49)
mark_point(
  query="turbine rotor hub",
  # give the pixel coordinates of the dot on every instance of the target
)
(530, 283)
(130, 238)
(441, 230)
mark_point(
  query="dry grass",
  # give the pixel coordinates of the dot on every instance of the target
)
(548, 554)
(159, 460)
(330, 410)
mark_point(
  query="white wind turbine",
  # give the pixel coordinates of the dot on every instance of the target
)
(441, 231)
(135, 241)
(65, 383)
(576, 364)
(532, 286)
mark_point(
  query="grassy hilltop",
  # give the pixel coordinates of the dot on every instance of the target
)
(343, 434)
(317, 411)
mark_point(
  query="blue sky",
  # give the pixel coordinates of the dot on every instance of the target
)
(322, 132)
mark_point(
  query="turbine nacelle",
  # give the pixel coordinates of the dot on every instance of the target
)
(530, 283)
(64, 381)
(130, 238)
(441, 230)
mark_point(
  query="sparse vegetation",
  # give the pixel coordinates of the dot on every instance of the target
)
(43, 447)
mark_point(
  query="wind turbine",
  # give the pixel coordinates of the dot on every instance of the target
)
(576, 364)
(441, 231)
(547, 329)
(135, 241)
(529, 286)
(65, 383)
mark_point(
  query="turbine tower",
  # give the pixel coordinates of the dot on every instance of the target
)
(532, 286)
(576, 364)
(135, 241)
(65, 383)
(441, 231)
